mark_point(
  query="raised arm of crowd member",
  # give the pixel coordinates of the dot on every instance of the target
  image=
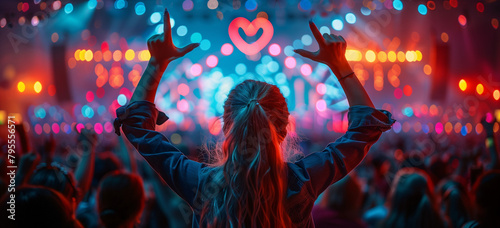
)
(85, 170)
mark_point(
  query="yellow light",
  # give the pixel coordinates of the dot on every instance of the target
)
(427, 69)
(77, 55)
(382, 57)
(370, 56)
(401, 56)
(144, 55)
(496, 95)
(419, 55)
(81, 55)
(410, 56)
(21, 86)
(391, 56)
(462, 84)
(129, 54)
(117, 55)
(38, 87)
(89, 55)
(479, 89)
(497, 115)
(353, 55)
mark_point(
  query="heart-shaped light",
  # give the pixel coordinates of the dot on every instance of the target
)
(250, 29)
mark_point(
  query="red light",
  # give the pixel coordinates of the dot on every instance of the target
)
(462, 20)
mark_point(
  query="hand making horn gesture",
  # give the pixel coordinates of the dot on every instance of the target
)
(161, 47)
(331, 52)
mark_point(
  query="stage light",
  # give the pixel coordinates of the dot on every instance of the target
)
(55, 128)
(38, 87)
(494, 23)
(251, 5)
(321, 105)
(397, 127)
(121, 99)
(411, 56)
(117, 55)
(226, 49)
(306, 69)
(448, 127)
(462, 84)
(382, 56)
(182, 30)
(89, 55)
(454, 3)
(92, 4)
(89, 96)
(458, 127)
(183, 89)
(140, 8)
(240, 68)
(480, 89)
(365, 11)
(427, 69)
(183, 105)
(212, 4)
(82, 54)
(155, 17)
(422, 9)
(120, 4)
(407, 90)
(212, 61)
(144, 55)
(129, 55)
(306, 40)
(98, 128)
(350, 18)
(274, 49)
(370, 56)
(290, 62)
(324, 29)
(54, 37)
(196, 37)
(196, 69)
(21, 87)
(321, 88)
(305, 4)
(337, 24)
(480, 7)
(353, 55)
(391, 56)
(462, 20)
(205, 44)
(397, 4)
(3, 22)
(496, 95)
(187, 5)
(418, 55)
(401, 56)
(56, 5)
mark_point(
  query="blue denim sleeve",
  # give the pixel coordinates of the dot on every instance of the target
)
(320, 170)
(138, 120)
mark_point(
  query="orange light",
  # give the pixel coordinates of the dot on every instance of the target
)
(382, 56)
(353, 55)
(462, 84)
(117, 55)
(38, 87)
(444, 37)
(427, 69)
(21, 86)
(370, 56)
(401, 56)
(391, 56)
(480, 89)
(496, 94)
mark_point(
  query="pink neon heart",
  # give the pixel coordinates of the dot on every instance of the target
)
(251, 29)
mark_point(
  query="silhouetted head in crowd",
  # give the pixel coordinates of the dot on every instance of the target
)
(345, 197)
(455, 202)
(105, 163)
(120, 200)
(411, 202)
(487, 199)
(56, 177)
(40, 207)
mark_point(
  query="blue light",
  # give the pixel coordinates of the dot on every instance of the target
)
(251, 5)
(422, 9)
(155, 17)
(425, 129)
(305, 4)
(396, 127)
(397, 4)
(120, 4)
(464, 131)
(159, 29)
(273, 66)
(306, 40)
(182, 30)
(205, 45)
(140, 8)
(87, 111)
(68, 8)
(365, 11)
(40, 112)
(91, 4)
(288, 51)
(196, 37)
(324, 29)
(122, 99)
(408, 111)
(172, 22)
(337, 24)
(285, 90)
(350, 18)
(240, 68)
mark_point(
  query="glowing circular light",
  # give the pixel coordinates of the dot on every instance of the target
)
(321, 88)
(462, 85)
(305, 4)
(240, 68)
(155, 17)
(183, 89)
(251, 5)
(462, 20)
(290, 62)
(196, 69)
(306, 40)
(350, 18)
(120, 4)
(401, 56)
(89, 96)
(407, 90)
(397, 127)
(274, 49)
(92, 4)
(479, 89)
(321, 105)
(365, 11)
(195, 37)
(35, 21)
(68, 8)
(205, 45)
(323, 30)
(212, 61)
(121, 99)
(56, 5)
(182, 30)
(98, 128)
(427, 69)
(226, 49)
(159, 28)
(337, 24)
(397, 4)
(370, 56)
(391, 56)
(21, 87)
(129, 55)
(422, 9)
(494, 23)
(140, 8)
(54, 37)
(454, 3)
(117, 55)
(382, 57)
(496, 95)
(480, 7)
(38, 87)
(187, 5)
(398, 93)
(87, 111)
(55, 128)
(306, 69)
(3, 22)
(439, 127)
(176, 138)
(183, 105)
